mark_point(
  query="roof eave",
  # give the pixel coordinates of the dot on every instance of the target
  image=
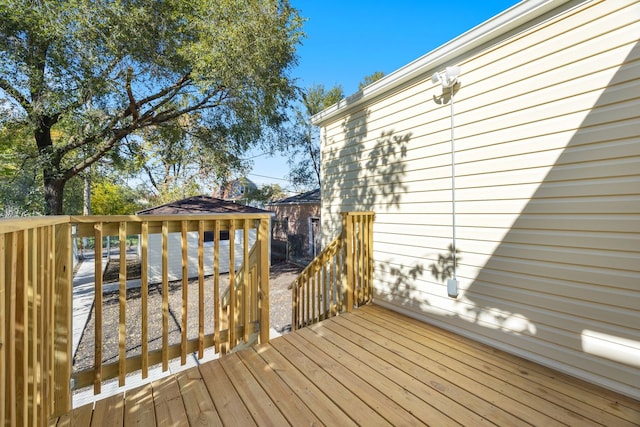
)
(494, 27)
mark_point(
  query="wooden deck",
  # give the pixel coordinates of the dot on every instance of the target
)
(370, 367)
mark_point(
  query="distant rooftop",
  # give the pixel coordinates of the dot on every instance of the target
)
(309, 197)
(200, 205)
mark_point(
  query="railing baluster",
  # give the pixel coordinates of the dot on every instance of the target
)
(40, 396)
(232, 286)
(22, 322)
(33, 324)
(263, 295)
(36, 276)
(340, 277)
(246, 311)
(216, 285)
(3, 328)
(97, 344)
(165, 295)
(62, 304)
(370, 255)
(122, 299)
(144, 290)
(11, 302)
(314, 294)
(200, 289)
(185, 292)
(48, 344)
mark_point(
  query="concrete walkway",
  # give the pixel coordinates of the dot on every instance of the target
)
(83, 296)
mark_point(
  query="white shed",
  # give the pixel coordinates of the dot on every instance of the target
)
(190, 206)
(542, 196)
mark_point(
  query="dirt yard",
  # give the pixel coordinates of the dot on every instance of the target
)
(281, 277)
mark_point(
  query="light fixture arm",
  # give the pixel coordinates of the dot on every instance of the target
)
(453, 187)
(448, 78)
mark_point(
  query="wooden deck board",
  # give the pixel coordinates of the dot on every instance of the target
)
(109, 411)
(561, 390)
(290, 405)
(370, 367)
(77, 417)
(258, 402)
(320, 404)
(441, 396)
(411, 406)
(466, 381)
(197, 401)
(340, 394)
(138, 407)
(168, 404)
(232, 410)
(347, 370)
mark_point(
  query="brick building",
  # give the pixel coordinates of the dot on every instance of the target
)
(296, 226)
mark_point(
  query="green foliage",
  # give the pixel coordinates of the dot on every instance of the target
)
(304, 149)
(109, 197)
(19, 193)
(92, 79)
(371, 78)
(259, 197)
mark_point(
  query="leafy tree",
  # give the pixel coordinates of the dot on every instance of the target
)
(111, 197)
(259, 197)
(101, 73)
(19, 192)
(178, 163)
(304, 152)
(371, 78)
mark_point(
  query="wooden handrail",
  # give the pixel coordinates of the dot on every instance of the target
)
(36, 276)
(340, 277)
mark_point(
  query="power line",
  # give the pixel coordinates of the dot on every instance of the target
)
(271, 177)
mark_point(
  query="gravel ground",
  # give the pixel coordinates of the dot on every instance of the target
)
(281, 276)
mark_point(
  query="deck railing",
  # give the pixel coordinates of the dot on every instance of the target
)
(36, 277)
(340, 277)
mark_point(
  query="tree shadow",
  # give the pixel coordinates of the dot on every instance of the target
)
(557, 274)
(369, 176)
(564, 271)
(379, 184)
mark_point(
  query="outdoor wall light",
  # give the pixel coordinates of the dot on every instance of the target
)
(448, 77)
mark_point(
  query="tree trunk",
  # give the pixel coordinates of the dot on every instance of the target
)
(53, 182)
(53, 194)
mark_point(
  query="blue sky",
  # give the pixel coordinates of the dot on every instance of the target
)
(349, 39)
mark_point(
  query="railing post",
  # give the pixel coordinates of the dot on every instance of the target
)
(62, 319)
(349, 280)
(370, 265)
(263, 238)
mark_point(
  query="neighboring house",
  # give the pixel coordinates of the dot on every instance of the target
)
(546, 132)
(237, 190)
(190, 206)
(297, 222)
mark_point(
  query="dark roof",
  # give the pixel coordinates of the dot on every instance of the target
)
(309, 197)
(200, 205)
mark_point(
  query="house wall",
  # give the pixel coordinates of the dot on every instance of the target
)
(175, 255)
(547, 138)
(298, 219)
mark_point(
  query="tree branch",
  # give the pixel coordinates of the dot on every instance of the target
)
(16, 95)
(132, 102)
(151, 178)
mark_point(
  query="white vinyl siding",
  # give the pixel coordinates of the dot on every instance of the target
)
(547, 136)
